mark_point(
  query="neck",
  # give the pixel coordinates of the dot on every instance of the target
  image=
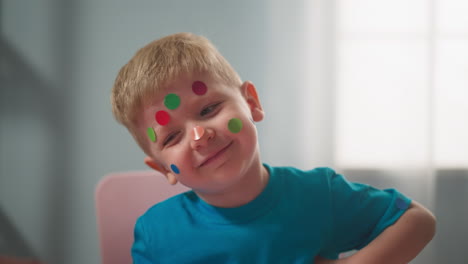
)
(246, 190)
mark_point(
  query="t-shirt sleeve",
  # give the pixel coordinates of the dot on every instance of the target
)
(140, 254)
(359, 213)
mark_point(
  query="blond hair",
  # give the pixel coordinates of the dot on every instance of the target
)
(157, 64)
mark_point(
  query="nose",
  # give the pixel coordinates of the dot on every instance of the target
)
(200, 137)
(197, 133)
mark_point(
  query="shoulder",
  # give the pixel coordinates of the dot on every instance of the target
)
(153, 225)
(166, 209)
(317, 181)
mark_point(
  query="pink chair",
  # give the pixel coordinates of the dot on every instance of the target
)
(120, 199)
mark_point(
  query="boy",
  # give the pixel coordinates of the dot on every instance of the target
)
(194, 118)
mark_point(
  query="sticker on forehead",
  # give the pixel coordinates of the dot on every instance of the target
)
(162, 117)
(172, 101)
(235, 125)
(197, 133)
(175, 169)
(199, 88)
(151, 134)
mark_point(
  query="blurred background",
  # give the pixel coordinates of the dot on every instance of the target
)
(376, 89)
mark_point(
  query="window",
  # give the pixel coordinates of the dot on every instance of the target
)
(401, 83)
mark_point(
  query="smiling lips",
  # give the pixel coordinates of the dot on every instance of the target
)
(216, 155)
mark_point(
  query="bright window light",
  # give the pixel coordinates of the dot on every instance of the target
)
(452, 17)
(451, 104)
(381, 103)
(401, 84)
(382, 16)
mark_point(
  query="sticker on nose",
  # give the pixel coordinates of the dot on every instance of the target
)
(175, 169)
(151, 134)
(197, 133)
(235, 125)
(172, 101)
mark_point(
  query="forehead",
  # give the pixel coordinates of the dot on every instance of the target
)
(181, 92)
(187, 86)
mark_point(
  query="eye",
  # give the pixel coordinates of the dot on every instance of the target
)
(209, 109)
(170, 138)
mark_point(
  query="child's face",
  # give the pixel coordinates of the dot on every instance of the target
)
(204, 130)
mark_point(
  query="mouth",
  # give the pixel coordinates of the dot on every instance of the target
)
(216, 155)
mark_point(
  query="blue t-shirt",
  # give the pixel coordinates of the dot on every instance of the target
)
(299, 215)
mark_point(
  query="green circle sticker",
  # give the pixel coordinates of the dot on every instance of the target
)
(235, 125)
(151, 134)
(172, 101)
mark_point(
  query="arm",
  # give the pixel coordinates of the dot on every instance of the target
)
(140, 251)
(399, 243)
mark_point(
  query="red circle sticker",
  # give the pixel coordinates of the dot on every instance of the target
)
(162, 117)
(199, 88)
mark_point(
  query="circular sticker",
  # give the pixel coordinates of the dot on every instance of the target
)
(199, 88)
(151, 134)
(235, 125)
(175, 169)
(162, 117)
(172, 101)
(197, 133)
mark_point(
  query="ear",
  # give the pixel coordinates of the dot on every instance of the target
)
(155, 166)
(250, 94)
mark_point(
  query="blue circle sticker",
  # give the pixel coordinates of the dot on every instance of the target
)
(175, 169)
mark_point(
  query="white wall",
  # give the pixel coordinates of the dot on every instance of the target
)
(59, 60)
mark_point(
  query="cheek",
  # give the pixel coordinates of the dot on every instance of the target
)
(235, 120)
(249, 134)
(235, 125)
(243, 129)
(179, 161)
(175, 168)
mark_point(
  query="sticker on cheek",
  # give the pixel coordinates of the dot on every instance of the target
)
(199, 88)
(175, 169)
(162, 117)
(172, 101)
(235, 125)
(151, 134)
(197, 133)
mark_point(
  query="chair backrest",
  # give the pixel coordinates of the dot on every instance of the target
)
(120, 199)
